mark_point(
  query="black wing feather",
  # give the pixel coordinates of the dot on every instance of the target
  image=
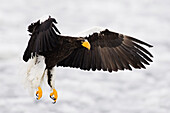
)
(43, 38)
(110, 51)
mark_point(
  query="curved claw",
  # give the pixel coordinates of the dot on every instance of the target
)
(39, 93)
(54, 96)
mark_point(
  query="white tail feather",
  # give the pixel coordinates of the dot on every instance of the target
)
(35, 71)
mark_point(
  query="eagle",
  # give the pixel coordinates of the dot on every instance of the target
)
(105, 50)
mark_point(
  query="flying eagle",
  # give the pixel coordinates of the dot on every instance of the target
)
(106, 50)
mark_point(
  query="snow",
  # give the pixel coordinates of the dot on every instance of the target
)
(137, 91)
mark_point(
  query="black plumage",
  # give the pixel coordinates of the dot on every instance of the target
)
(109, 51)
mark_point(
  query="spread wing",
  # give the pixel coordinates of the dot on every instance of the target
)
(43, 38)
(110, 51)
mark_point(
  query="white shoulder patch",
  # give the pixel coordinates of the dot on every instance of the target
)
(91, 31)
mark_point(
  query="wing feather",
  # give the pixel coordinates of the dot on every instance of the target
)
(98, 58)
(93, 55)
(43, 38)
(112, 55)
(143, 49)
(110, 51)
(139, 41)
(123, 58)
(103, 62)
(117, 59)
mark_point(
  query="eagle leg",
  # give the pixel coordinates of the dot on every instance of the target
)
(51, 80)
(54, 96)
(39, 93)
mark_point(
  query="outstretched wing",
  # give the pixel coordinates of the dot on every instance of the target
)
(110, 51)
(43, 38)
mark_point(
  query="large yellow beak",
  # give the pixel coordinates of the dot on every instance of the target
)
(86, 44)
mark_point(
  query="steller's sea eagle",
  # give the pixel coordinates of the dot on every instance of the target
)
(106, 50)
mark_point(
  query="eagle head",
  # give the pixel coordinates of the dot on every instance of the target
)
(85, 44)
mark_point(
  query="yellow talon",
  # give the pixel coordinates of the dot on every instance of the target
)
(54, 95)
(39, 93)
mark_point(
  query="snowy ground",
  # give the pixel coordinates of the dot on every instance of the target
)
(139, 91)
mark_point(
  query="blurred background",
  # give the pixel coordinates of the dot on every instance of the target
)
(137, 91)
